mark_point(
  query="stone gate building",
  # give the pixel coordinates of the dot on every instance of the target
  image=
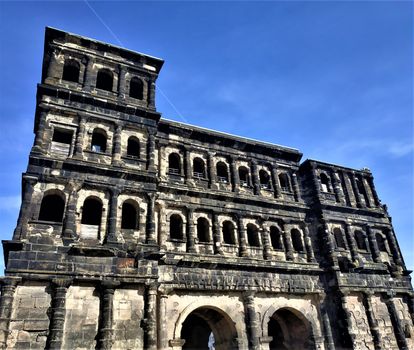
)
(139, 232)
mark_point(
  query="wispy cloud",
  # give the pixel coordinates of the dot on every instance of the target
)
(9, 203)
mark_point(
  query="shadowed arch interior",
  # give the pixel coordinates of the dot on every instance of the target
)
(52, 207)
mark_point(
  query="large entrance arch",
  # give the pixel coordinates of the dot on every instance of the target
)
(208, 328)
(289, 330)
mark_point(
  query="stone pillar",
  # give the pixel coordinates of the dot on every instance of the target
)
(395, 320)
(216, 235)
(373, 325)
(235, 181)
(252, 322)
(275, 180)
(111, 236)
(328, 239)
(151, 94)
(105, 331)
(187, 166)
(308, 245)
(376, 255)
(122, 88)
(116, 157)
(316, 182)
(288, 245)
(267, 252)
(339, 195)
(79, 137)
(57, 319)
(162, 320)
(20, 231)
(355, 190)
(242, 237)
(69, 223)
(52, 68)
(150, 234)
(377, 201)
(255, 178)
(296, 189)
(410, 304)
(368, 199)
(8, 288)
(151, 153)
(40, 141)
(329, 342)
(352, 244)
(211, 171)
(191, 234)
(151, 318)
(395, 251)
(343, 294)
(89, 81)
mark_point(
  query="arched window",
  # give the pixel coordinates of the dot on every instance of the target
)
(222, 173)
(264, 179)
(199, 168)
(297, 240)
(339, 238)
(360, 240)
(176, 227)
(136, 88)
(174, 163)
(244, 176)
(275, 238)
(52, 207)
(284, 182)
(133, 147)
(130, 216)
(105, 80)
(98, 141)
(71, 71)
(253, 235)
(325, 185)
(228, 233)
(92, 211)
(382, 246)
(203, 228)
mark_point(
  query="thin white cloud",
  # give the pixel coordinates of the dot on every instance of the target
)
(9, 203)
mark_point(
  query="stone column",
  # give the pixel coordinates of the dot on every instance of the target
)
(116, 157)
(377, 201)
(343, 293)
(275, 180)
(122, 88)
(242, 237)
(151, 318)
(308, 245)
(8, 288)
(395, 251)
(252, 323)
(89, 81)
(410, 304)
(191, 234)
(69, 223)
(288, 245)
(330, 345)
(151, 153)
(52, 68)
(373, 325)
(255, 178)
(328, 239)
(395, 320)
(296, 189)
(105, 331)
(216, 235)
(339, 195)
(211, 171)
(40, 141)
(79, 137)
(355, 190)
(111, 236)
(316, 182)
(267, 252)
(368, 199)
(235, 182)
(376, 255)
(150, 234)
(57, 319)
(20, 231)
(352, 244)
(187, 165)
(162, 320)
(151, 93)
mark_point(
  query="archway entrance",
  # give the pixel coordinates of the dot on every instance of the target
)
(289, 330)
(207, 328)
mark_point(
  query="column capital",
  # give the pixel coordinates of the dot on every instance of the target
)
(11, 281)
(62, 282)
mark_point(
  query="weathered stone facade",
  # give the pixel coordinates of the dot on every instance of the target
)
(138, 232)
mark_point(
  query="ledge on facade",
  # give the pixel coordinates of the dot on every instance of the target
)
(91, 250)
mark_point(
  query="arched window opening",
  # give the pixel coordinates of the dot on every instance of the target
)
(174, 164)
(253, 235)
(203, 228)
(228, 232)
(339, 238)
(98, 141)
(284, 182)
(297, 240)
(133, 147)
(264, 179)
(92, 212)
(382, 246)
(275, 238)
(136, 88)
(325, 185)
(71, 71)
(129, 216)
(105, 80)
(199, 171)
(244, 176)
(222, 173)
(176, 227)
(360, 240)
(61, 141)
(51, 208)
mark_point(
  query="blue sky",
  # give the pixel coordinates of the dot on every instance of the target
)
(333, 79)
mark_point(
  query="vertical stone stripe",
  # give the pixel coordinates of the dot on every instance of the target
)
(255, 178)
(252, 323)
(373, 191)
(288, 244)
(328, 238)
(69, 222)
(267, 253)
(122, 82)
(373, 325)
(151, 318)
(116, 157)
(234, 175)
(162, 324)
(40, 138)
(211, 171)
(396, 323)
(216, 235)
(151, 153)
(89, 75)
(151, 236)
(190, 231)
(188, 167)
(275, 179)
(105, 331)
(308, 245)
(352, 244)
(296, 189)
(79, 138)
(355, 190)
(242, 237)
(6, 305)
(330, 345)
(376, 255)
(112, 217)
(395, 251)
